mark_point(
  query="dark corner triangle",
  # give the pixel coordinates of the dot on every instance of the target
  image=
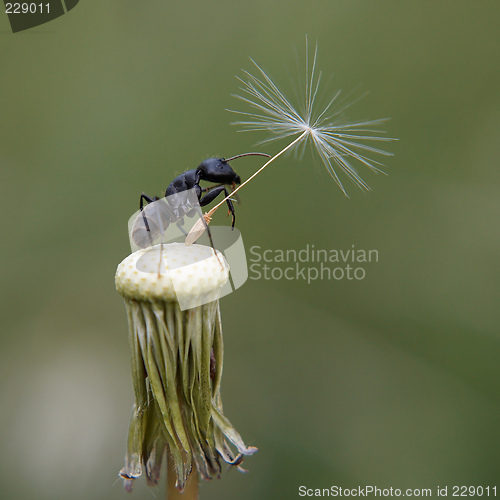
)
(70, 4)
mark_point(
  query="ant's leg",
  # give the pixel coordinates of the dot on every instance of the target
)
(209, 188)
(179, 224)
(148, 199)
(236, 195)
(233, 187)
(156, 222)
(200, 214)
(209, 197)
(145, 197)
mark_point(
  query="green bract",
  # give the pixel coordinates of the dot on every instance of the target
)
(177, 360)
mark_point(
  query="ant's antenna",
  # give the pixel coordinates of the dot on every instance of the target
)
(247, 154)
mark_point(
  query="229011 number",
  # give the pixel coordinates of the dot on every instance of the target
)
(471, 491)
(25, 8)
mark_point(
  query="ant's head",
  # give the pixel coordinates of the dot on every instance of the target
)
(218, 170)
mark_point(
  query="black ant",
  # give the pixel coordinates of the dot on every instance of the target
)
(148, 225)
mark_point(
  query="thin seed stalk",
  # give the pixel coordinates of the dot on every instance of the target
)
(297, 140)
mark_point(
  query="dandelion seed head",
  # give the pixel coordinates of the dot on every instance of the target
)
(338, 142)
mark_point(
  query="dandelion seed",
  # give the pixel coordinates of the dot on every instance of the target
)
(336, 140)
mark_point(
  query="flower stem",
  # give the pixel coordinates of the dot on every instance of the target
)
(190, 491)
(298, 139)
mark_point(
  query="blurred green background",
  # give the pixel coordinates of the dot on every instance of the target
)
(390, 381)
